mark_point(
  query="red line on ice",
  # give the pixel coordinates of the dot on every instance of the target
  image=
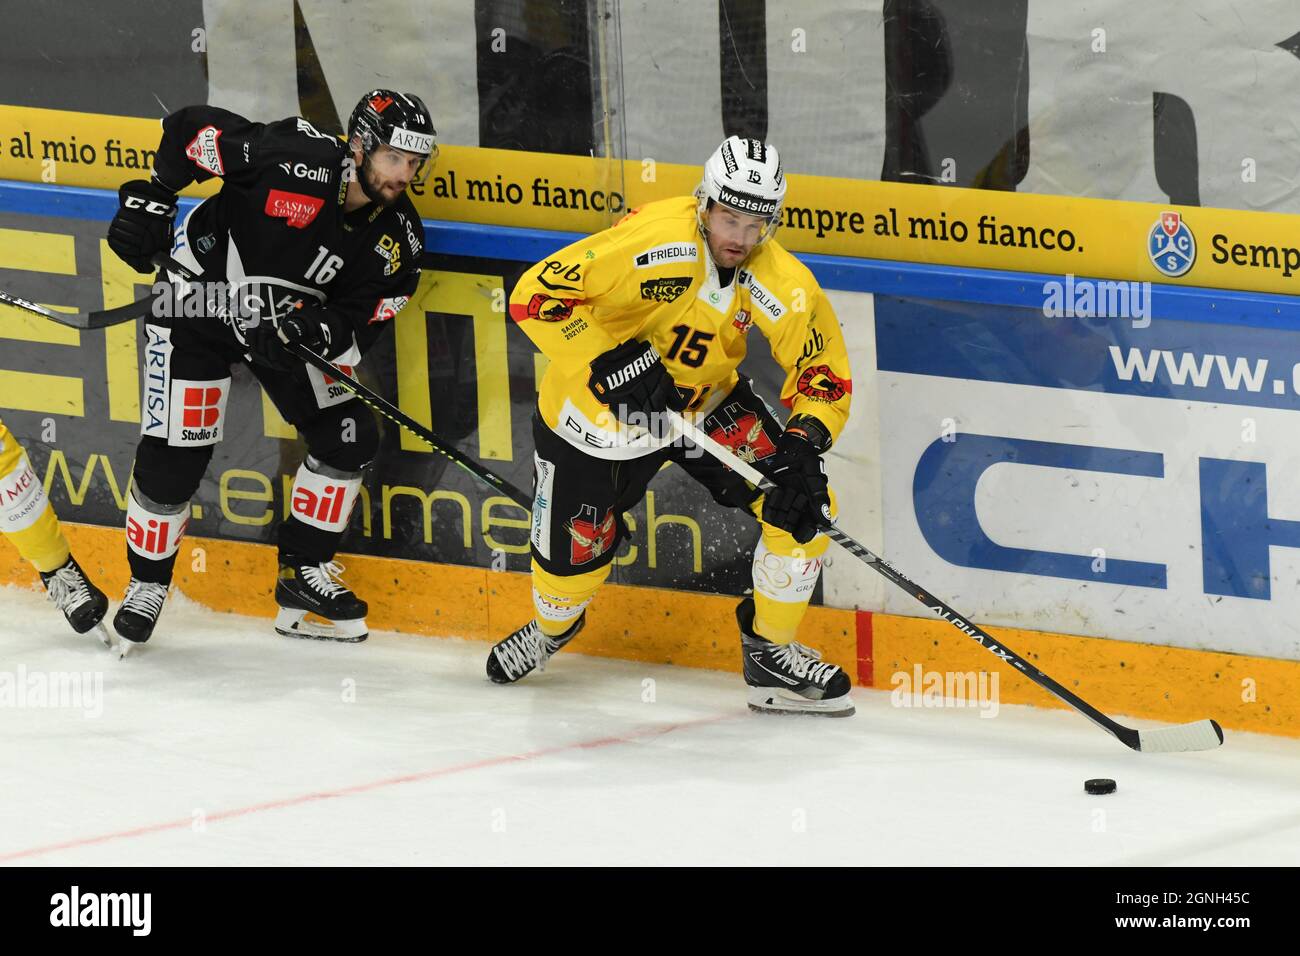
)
(364, 787)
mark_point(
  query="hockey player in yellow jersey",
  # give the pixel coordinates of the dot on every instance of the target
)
(654, 315)
(29, 522)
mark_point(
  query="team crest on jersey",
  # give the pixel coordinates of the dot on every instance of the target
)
(295, 209)
(820, 384)
(743, 321)
(668, 252)
(665, 290)
(742, 431)
(546, 309)
(205, 152)
(590, 538)
(390, 250)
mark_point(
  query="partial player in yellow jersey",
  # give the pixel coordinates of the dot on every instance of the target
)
(29, 522)
(654, 315)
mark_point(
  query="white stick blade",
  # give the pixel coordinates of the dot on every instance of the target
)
(1200, 735)
(28, 306)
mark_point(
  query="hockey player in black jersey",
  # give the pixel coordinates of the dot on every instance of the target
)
(311, 241)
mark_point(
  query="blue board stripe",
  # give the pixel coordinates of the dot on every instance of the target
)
(880, 276)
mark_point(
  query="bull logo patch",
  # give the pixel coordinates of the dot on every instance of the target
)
(820, 384)
(546, 309)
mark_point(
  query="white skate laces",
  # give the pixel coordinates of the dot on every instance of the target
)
(803, 662)
(305, 588)
(525, 649)
(144, 598)
(323, 578)
(67, 589)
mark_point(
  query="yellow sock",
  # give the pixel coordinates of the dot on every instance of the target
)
(559, 600)
(25, 513)
(785, 573)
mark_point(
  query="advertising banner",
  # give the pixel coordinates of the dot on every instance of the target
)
(1107, 477)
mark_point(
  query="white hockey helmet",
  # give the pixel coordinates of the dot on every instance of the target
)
(744, 175)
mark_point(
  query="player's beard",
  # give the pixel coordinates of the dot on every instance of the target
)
(372, 189)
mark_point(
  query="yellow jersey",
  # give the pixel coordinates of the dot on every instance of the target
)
(652, 278)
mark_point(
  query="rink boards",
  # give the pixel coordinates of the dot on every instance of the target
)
(1125, 480)
(881, 650)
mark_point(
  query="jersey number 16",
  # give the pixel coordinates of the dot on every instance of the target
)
(324, 267)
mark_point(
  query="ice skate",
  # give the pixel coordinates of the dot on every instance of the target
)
(789, 678)
(305, 588)
(83, 604)
(138, 615)
(527, 649)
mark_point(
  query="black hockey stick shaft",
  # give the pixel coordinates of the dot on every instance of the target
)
(78, 320)
(93, 320)
(388, 410)
(1126, 735)
(397, 416)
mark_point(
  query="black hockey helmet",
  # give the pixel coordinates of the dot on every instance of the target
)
(399, 120)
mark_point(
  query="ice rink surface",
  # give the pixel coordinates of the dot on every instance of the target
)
(220, 744)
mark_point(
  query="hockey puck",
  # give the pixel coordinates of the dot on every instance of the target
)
(1099, 786)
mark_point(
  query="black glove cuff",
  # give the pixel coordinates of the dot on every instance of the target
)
(810, 429)
(158, 181)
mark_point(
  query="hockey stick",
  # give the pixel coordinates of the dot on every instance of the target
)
(78, 320)
(1198, 735)
(88, 320)
(397, 416)
(385, 408)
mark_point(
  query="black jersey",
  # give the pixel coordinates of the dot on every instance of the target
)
(278, 224)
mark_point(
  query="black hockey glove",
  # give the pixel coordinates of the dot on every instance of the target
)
(306, 325)
(800, 502)
(631, 379)
(142, 227)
